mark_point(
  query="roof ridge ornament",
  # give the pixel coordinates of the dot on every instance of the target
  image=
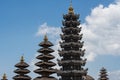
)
(71, 10)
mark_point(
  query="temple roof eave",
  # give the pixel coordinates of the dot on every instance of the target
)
(68, 29)
(47, 71)
(74, 16)
(45, 78)
(25, 77)
(47, 56)
(45, 64)
(72, 52)
(46, 44)
(45, 50)
(73, 44)
(72, 62)
(71, 36)
(73, 72)
(22, 64)
(19, 71)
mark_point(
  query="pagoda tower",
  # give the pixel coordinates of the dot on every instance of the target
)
(21, 71)
(45, 64)
(103, 74)
(4, 77)
(71, 48)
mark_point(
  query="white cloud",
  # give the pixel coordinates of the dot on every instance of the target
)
(91, 56)
(51, 31)
(114, 75)
(102, 30)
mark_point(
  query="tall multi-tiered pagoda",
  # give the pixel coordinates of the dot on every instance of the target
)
(103, 74)
(45, 65)
(22, 71)
(4, 77)
(71, 49)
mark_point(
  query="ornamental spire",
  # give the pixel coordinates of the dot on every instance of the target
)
(71, 10)
(70, 2)
(4, 77)
(45, 37)
(22, 59)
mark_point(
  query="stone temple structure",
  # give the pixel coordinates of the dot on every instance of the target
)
(72, 60)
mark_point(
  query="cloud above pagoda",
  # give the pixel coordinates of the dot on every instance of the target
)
(52, 31)
(102, 30)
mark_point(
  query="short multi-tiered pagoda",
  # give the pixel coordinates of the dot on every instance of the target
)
(71, 49)
(103, 74)
(22, 71)
(4, 77)
(45, 65)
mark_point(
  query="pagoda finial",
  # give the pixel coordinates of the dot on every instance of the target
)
(22, 59)
(71, 10)
(71, 3)
(45, 37)
(4, 77)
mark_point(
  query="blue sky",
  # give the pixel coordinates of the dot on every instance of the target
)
(21, 20)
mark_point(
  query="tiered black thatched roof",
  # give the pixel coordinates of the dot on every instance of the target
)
(45, 65)
(22, 71)
(103, 74)
(71, 49)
